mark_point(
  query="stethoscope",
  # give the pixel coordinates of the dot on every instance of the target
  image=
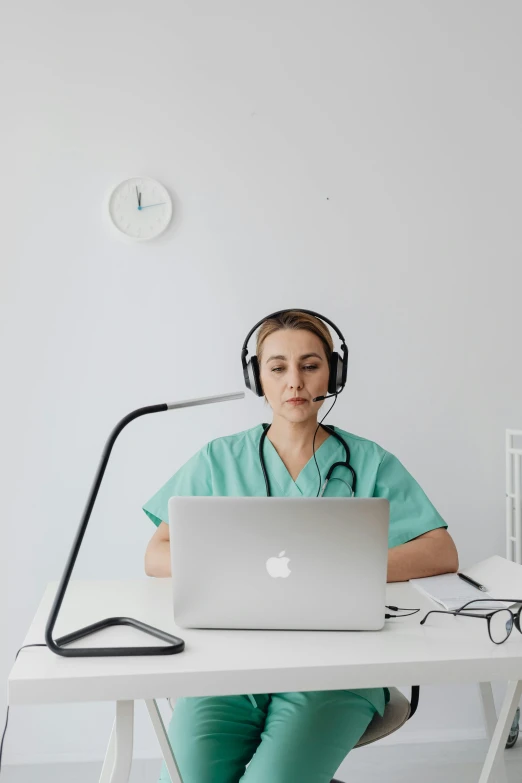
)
(345, 464)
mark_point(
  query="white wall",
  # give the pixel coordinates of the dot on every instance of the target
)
(357, 158)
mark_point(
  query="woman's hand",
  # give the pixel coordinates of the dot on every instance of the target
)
(432, 553)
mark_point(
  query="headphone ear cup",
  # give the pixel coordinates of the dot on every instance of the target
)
(255, 376)
(344, 368)
(334, 372)
(247, 372)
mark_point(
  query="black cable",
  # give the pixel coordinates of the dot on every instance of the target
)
(3, 736)
(400, 609)
(7, 716)
(266, 427)
(313, 443)
(328, 429)
(387, 616)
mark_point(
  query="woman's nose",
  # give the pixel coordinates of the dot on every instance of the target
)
(295, 379)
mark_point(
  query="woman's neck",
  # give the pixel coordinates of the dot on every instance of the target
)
(295, 437)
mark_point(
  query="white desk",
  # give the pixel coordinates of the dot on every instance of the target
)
(444, 650)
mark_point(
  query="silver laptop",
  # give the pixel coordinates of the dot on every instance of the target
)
(279, 563)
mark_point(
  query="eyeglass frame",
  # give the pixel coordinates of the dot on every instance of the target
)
(515, 618)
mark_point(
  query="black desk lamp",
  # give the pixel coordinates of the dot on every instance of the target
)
(176, 644)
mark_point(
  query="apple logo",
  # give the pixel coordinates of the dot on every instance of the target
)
(278, 566)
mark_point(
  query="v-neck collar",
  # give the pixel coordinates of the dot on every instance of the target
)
(307, 482)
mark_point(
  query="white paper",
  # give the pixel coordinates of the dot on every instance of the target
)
(502, 577)
(452, 592)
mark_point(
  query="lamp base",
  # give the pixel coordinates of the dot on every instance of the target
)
(176, 645)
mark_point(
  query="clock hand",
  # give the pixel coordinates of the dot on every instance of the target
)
(153, 205)
(138, 196)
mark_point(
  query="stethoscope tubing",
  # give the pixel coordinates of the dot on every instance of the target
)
(345, 464)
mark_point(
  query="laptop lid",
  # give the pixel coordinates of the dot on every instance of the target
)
(279, 563)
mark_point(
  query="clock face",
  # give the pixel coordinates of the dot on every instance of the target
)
(140, 208)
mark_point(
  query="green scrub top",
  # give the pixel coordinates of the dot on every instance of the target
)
(230, 466)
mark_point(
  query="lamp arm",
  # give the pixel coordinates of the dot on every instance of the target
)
(57, 646)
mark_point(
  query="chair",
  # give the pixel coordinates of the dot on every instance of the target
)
(397, 712)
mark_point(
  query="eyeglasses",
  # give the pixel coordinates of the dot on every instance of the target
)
(500, 621)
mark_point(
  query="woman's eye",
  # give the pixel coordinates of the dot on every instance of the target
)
(307, 367)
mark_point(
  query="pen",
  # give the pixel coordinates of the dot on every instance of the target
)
(472, 582)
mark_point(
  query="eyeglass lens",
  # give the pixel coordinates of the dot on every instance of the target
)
(500, 625)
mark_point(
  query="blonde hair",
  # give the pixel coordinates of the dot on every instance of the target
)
(294, 319)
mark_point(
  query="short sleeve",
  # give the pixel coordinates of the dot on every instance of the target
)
(411, 512)
(193, 478)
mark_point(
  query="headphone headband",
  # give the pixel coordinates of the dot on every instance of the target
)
(286, 310)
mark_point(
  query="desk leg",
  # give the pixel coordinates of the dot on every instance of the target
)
(118, 759)
(161, 734)
(108, 763)
(490, 719)
(492, 769)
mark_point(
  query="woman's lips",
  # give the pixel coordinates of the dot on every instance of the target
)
(297, 402)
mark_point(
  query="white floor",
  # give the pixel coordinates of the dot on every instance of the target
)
(453, 762)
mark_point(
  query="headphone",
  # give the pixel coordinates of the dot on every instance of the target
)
(338, 363)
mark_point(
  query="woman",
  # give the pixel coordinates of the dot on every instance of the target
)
(286, 737)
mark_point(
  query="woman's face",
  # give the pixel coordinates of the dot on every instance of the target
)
(293, 365)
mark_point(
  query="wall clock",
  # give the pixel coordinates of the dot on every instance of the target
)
(140, 208)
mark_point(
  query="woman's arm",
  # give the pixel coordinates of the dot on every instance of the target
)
(432, 553)
(157, 554)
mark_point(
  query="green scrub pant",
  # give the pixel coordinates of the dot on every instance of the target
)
(286, 738)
